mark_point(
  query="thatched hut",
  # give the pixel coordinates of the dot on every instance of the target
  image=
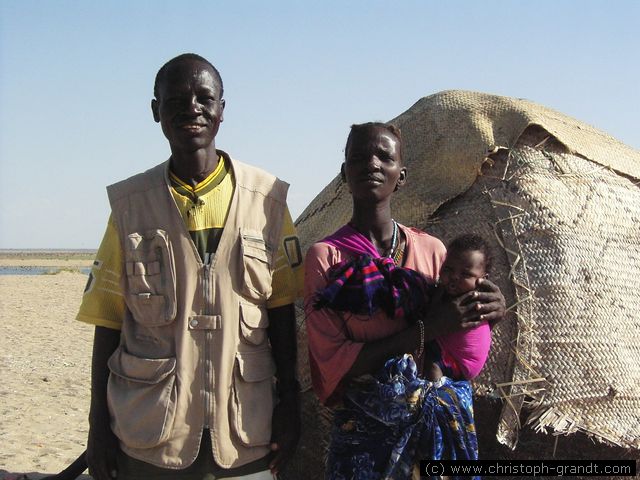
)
(560, 203)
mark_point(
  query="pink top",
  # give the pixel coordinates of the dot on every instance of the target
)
(336, 338)
(466, 351)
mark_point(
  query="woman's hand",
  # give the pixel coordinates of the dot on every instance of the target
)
(488, 302)
(485, 303)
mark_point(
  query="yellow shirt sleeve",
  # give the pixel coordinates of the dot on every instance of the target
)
(288, 276)
(103, 300)
(103, 303)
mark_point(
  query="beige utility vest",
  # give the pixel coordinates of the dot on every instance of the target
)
(194, 351)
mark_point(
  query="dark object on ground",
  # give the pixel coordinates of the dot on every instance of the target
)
(73, 471)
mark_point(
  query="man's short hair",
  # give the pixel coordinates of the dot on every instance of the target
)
(360, 128)
(181, 58)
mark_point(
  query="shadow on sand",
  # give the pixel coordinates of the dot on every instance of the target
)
(4, 475)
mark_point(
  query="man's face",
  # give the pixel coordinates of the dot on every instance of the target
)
(461, 270)
(373, 168)
(189, 106)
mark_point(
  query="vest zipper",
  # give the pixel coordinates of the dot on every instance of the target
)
(208, 380)
(207, 352)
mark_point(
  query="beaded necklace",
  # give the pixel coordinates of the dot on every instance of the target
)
(394, 240)
(398, 256)
(393, 252)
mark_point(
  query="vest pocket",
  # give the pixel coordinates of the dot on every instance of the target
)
(256, 264)
(151, 284)
(142, 395)
(253, 324)
(253, 397)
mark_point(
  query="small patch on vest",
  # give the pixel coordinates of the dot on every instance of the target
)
(293, 251)
(91, 281)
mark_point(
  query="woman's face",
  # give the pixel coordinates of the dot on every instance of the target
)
(461, 270)
(373, 166)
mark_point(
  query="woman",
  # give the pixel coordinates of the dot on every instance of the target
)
(363, 311)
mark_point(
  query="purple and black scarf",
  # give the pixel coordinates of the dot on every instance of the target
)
(368, 282)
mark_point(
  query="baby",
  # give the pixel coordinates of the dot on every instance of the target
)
(462, 354)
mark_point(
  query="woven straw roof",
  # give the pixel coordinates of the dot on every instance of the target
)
(559, 201)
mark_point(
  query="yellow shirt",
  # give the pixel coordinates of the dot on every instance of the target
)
(204, 209)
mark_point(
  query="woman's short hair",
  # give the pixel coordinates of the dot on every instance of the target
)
(361, 128)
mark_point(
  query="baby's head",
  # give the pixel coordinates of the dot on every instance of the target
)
(468, 259)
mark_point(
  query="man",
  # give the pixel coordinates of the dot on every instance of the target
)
(191, 295)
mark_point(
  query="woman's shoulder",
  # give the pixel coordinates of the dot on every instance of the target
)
(322, 254)
(319, 259)
(321, 249)
(424, 239)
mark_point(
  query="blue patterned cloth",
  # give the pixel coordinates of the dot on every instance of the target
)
(394, 419)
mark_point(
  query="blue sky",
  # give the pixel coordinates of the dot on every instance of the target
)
(76, 80)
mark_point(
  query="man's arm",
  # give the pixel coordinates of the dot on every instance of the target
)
(102, 445)
(286, 415)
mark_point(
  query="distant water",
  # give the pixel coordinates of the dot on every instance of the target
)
(47, 251)
(44, 253)
(39, 270)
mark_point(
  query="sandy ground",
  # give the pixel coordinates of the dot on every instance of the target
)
(44, 372)
(45, 376)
